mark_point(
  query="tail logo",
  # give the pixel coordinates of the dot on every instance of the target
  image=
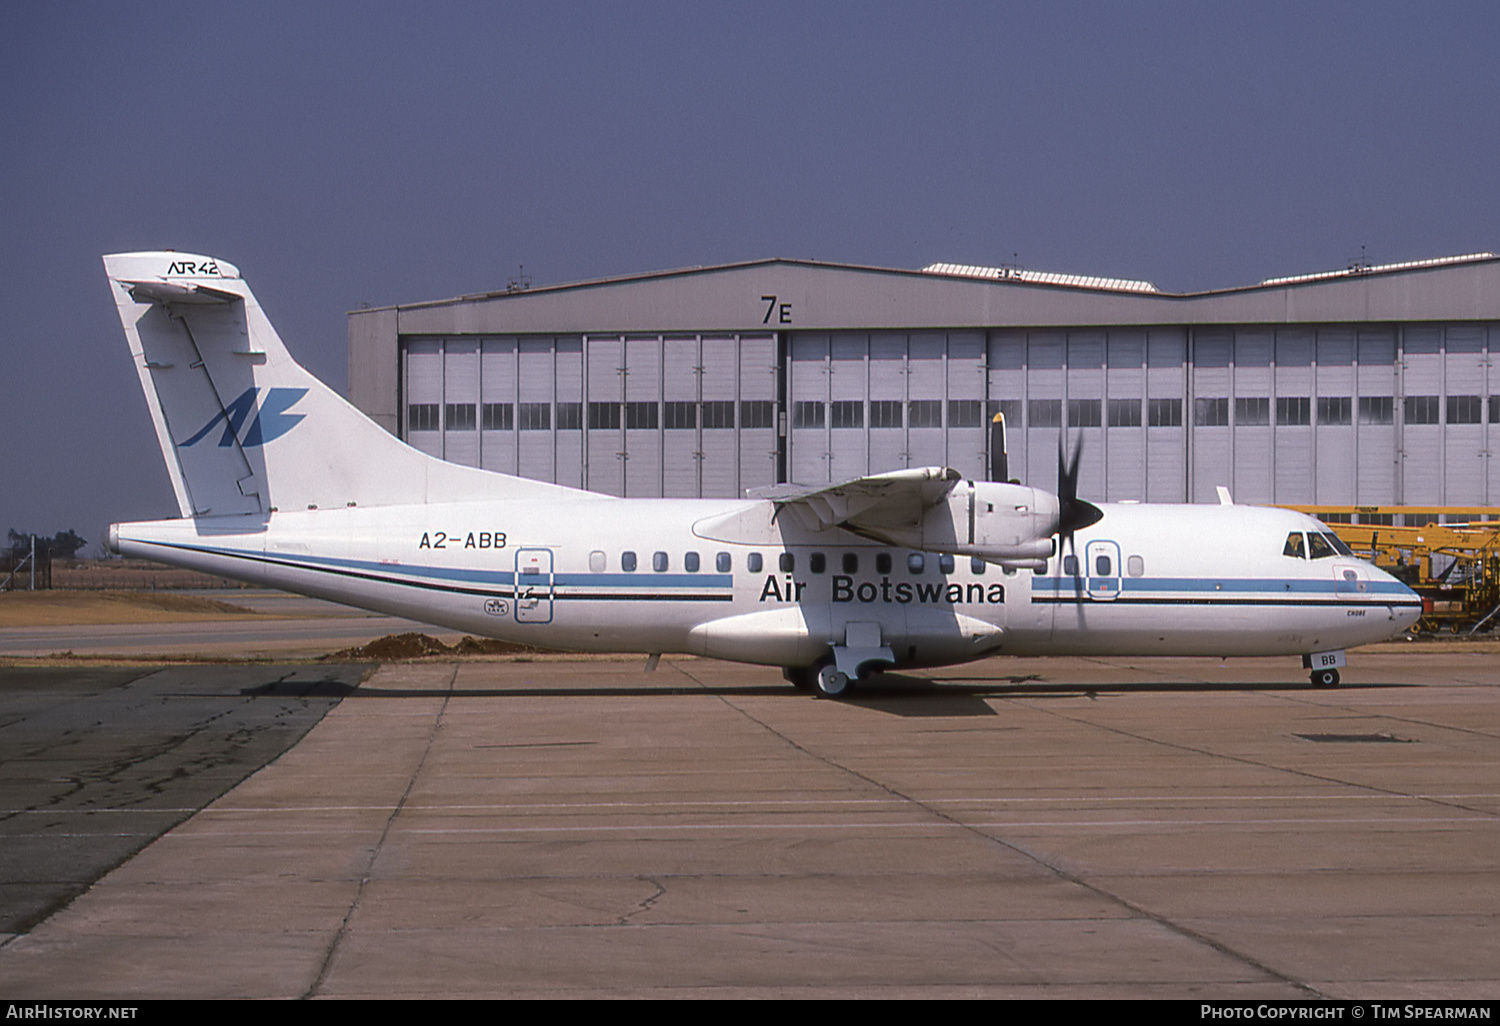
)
(271, 422)
(205, 269)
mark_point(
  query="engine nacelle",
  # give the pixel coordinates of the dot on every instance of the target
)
(1002, 523)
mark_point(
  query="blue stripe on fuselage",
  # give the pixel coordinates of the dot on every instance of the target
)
(1268, 587)
(401, 573)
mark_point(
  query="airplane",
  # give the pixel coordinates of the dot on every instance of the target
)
(282, 483)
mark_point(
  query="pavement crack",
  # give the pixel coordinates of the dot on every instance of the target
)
(646, 903)
(369, 868)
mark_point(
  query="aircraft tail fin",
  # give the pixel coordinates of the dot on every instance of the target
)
(244, 428)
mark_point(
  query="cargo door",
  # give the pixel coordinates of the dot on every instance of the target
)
(534, 585)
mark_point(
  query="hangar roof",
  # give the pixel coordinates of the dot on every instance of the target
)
(791, 295)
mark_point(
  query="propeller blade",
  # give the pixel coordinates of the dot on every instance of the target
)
(999, 458)
(1073, 513)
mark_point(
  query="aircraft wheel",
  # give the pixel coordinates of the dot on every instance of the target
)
(800, 677)
(1325, 678)
(830, 683)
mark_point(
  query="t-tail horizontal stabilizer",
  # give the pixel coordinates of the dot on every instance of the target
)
(244, 428)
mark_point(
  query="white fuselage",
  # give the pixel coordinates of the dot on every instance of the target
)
(731, 579)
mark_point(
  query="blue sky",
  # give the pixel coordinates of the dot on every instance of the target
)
(372, 152)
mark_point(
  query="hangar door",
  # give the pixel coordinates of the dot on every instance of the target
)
(639, 415)
(868, 402)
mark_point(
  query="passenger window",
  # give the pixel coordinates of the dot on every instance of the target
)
(787, 562)
(1103, 566)
(882, 562)
(976, 566)
(1070, 566)
(1294, 546)
(596, 562)
(817, 562)
(851, 562)
(1318, 547)
(1135, 566)
(915, 563)
(722, 563)
(945, 562)
(753, 562)
(627, 562)
(690, 562)
(659, 562)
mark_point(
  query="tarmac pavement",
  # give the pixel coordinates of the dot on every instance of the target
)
(1059, 828)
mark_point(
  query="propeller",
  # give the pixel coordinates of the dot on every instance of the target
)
(1073, 513)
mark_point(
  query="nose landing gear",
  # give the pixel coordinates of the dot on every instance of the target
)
(1325, 678)
(1324, 667)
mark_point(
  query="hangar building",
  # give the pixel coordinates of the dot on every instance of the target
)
(1373, 385)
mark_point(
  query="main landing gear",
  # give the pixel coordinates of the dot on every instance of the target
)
(823, 679)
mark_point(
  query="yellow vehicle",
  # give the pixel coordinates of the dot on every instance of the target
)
(1450, 555)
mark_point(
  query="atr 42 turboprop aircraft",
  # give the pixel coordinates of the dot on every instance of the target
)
(282, 483)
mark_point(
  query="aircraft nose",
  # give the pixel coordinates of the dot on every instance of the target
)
(1406, 608)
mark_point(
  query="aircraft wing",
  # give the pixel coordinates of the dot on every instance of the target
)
(882, 501)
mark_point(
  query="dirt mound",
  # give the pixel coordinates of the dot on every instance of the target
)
(412, 645)
(489, 646)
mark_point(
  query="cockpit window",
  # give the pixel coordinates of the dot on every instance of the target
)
(1338, 544)
(1294, 546)
(1318, 547)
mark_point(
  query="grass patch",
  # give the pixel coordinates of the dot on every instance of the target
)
(58, 608)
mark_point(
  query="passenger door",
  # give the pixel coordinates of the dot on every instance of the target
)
(1102, 570)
